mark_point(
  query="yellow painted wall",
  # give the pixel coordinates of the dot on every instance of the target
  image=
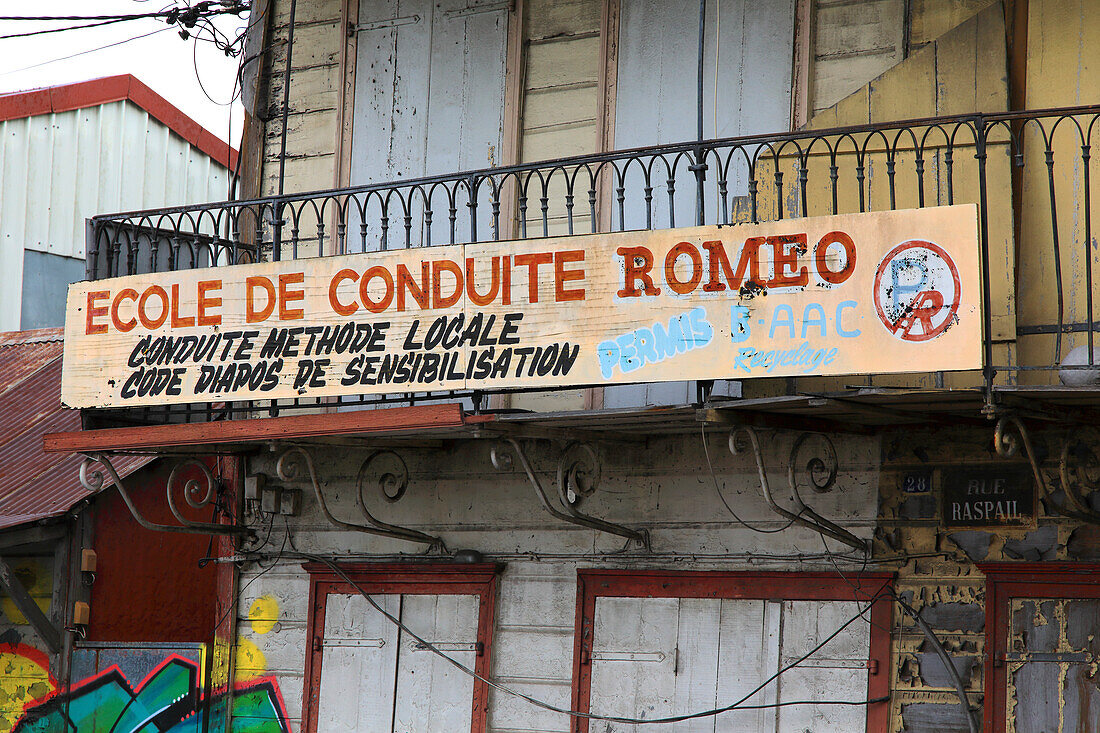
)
(1063, 57)
(24, 665)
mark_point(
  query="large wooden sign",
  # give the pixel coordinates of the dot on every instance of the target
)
(866, 293)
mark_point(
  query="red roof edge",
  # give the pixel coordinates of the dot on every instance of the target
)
(394, 420)
(94, 92)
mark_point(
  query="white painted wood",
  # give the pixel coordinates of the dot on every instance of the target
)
(748, 653)
(656, 102)
(375, 677)
(429, 99)
(836, 672)
(696, 661)
(661, 657)
(431, 693)
(357, 682)
(634, 689)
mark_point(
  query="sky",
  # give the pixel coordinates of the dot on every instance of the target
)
(162, 60)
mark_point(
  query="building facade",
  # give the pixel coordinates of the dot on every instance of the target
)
(599, 556)
(73, 151)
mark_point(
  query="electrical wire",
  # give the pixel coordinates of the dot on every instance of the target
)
(718, 490)
(45, 31)
(82, 53)
(257, 576)
(738, 705)
(186, 16)
(127, 16)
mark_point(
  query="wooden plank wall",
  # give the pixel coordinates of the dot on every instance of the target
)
(560, 99)
(314, 96)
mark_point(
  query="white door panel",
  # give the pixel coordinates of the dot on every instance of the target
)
(377, 679)
(656, 657)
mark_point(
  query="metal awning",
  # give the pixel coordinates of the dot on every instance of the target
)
(864, 410)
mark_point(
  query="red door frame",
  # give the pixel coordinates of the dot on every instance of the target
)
(478, 579)
(593, 584)
(1005, 581)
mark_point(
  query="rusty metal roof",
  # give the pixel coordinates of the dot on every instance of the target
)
(34, 484)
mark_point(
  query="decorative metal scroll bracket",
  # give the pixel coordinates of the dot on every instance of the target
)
(1008, 445)
(815, 467)
(391, 483)
(198, 495)
(578, 477)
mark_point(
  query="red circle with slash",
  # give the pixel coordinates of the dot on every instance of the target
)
(932, 310)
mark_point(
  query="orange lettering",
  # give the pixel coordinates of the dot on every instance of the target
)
(250, 284)
(286, 295)
(532, 261)
(177, 320)
(563, 276)
(143, 314)
(683, 287)
(835, 277)
(494, 282)
(405, 283)
(387, 298)
(637, 264)
(206, 302)
(95, 311)
(337, 306)
(438, 267)
(123, 326)
(785, 260)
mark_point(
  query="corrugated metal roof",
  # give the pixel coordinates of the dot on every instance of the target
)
(35, 484)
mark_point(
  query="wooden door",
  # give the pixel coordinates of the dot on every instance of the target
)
(429, 100)
(377, 679)
(1053, 649)
(656, 657)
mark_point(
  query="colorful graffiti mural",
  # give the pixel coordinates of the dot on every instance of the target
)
(24, 678)
(168, 700)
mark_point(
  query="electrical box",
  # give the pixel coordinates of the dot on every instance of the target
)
(87, 560)
(254, 485)
(81, 613)
(290, 503)
(269, 500)
(277, 500)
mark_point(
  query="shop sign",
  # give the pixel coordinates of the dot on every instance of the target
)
(988, 497)
(883, 292)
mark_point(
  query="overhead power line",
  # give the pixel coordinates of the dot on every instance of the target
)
(83, 53)
(186, 17)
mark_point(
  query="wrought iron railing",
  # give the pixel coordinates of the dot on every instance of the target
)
(1029, 172)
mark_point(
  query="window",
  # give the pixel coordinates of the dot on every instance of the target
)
(657, 643)
(365, 674)
(1042, 637)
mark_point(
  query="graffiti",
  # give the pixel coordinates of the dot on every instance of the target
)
(24, 679)
(168, 700)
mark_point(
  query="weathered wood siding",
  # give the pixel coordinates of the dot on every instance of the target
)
(314, 96)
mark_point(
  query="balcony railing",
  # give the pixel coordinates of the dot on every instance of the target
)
(1029, 173)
